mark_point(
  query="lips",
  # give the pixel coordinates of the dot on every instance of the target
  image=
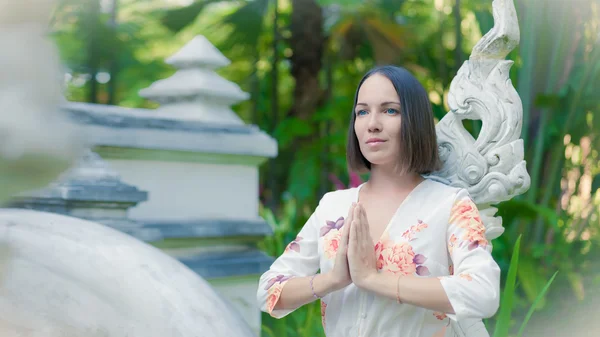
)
(374, 141)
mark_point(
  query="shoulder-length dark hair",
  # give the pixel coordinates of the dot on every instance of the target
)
(418, 141)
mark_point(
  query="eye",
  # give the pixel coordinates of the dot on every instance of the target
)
(391, 111)
(361, 112)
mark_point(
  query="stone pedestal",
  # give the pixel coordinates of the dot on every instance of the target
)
(91, 190)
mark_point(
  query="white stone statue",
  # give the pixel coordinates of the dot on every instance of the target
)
(490, 167)
(36, 142)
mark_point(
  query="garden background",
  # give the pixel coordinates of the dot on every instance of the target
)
(301, 60)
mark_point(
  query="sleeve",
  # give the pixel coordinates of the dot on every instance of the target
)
(474, 286)
(300, 258)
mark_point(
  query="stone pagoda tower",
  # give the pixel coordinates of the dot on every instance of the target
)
(196, 91)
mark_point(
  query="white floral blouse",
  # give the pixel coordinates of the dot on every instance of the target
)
(436, 232)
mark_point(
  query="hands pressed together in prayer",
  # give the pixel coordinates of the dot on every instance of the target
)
(355, 260)
(356, 263)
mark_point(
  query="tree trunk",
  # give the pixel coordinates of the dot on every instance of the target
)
(308, 44)
(457, 20)
(273, 181)
(325, 129)
(91, 17)
(114, 62)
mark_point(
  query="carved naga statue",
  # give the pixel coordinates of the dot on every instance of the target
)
(490, 167)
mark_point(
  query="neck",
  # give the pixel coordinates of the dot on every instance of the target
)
(391, 179)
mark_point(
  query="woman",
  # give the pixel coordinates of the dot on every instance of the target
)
(410, 254)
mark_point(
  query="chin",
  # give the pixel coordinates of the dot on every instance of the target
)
(378, 159)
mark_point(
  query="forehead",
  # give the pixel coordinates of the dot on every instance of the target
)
(377, 89)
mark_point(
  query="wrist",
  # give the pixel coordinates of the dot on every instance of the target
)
(332, 283)
(368, 282)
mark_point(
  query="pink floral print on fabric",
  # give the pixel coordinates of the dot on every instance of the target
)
(332, 243)
(452, 243)
(274, 288)
(466, 276)
(332, 235)
(323, 309)
(294, 245)
(332, 226)
(465, 215)
(273, 296)
(410, 233)
(399, 258)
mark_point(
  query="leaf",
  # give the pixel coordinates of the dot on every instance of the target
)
(508, 296)
(552, 101)
(291, 128)
(343, 26)
(246, 23)
(179, 18)
(391, 6)
(535, 304)
(304, 176)
(345, 3)
(530, 278)
(596, 183)
(485, 20)
(267, 330)
(387, 31)
(523, 209)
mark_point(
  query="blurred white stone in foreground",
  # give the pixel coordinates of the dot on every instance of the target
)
(61, 276)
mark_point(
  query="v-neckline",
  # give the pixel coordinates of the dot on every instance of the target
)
(408, 196)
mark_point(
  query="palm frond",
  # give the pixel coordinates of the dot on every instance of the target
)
(179, 18)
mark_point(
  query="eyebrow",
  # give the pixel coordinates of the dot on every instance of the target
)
(384, 103)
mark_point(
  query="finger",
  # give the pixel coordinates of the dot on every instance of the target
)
(359, 212)
(345, 235)
(364, 222)
(356, 213)
(350, 213)
(348, 219)
(364, 231)
(353, 241)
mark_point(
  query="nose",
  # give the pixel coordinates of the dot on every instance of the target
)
(374, 124)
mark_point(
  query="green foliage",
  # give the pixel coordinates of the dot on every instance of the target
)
(536, 303)
(304, 322)
(505, 317)
(177, 19)
(508, 296)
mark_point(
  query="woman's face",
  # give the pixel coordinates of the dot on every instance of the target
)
(377, 124)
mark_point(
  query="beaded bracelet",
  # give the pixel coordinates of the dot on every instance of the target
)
(398, 290)
(312, 288)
